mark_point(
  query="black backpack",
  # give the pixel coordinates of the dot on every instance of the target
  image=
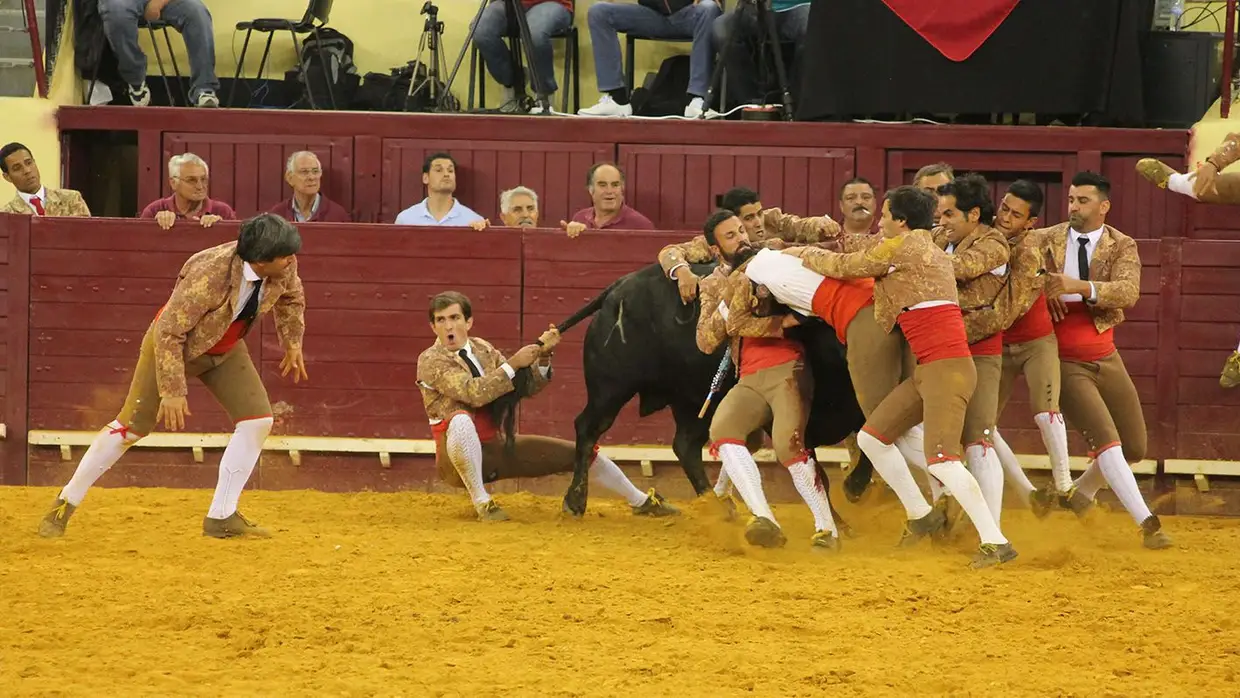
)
(666, 94)
(333, 68)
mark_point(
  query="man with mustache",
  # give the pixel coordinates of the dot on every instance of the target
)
(518, 208)
(775, 386)
(915, 287)
(857, 204)
(1094, 274)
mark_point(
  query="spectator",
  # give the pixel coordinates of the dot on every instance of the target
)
(608, 20)
(791, 22)
(304, 173)
(857, 204)
(605, 182)
(547, 18)
(518, 208)
(33, 198)
(190, 17)
(930, 178)
(187, 175)
(440, 207)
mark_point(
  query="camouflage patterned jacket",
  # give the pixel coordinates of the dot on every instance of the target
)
(1115, 270)
(65, 203)
(909, 269)
(202, 307)
(449, 387)
(776, 225)
(974, 261)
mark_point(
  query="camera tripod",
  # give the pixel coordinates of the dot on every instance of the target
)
(768, 40)
(515, 13)
(432, 37)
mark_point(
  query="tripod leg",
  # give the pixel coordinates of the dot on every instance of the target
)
(772, 38)
(527, 43)
(716, 76)
(460, 57)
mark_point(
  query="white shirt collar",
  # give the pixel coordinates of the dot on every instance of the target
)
(42, 194)
(248, 273)
(1094, 236)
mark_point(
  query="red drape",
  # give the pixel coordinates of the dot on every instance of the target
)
(955, 27)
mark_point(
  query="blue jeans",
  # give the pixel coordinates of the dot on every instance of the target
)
(190, 17)
(791, 26)
(546, 19)
(607, 20)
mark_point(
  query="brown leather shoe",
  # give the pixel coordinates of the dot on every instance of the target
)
(932, 524)
(656, 506)
(232, 527)
(53, 524)
(1154, 537)
(764, 532)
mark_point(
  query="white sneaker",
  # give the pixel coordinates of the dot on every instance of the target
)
(207, 98)
(694, 110)
(140, 95)
(101, 95)
(607, 107)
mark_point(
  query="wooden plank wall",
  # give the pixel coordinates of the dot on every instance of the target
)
(14, 339)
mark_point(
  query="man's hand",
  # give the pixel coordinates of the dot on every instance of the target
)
(209, 220)
(1206, 181)
(525, 356)
(480, 224)
(828, 228)
(790, 320)
(165, 219)
(295, 362)
(574, 229)
(549, 339)
(172, 412)
(687, 282)
(1060, 284)
(154, 8)
(1057, 308)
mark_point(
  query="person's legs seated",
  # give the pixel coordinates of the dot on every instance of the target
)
(606, 22)
(489, 40)
(193, 20)
(120, 26)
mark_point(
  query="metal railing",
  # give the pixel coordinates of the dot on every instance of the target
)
(36, 47)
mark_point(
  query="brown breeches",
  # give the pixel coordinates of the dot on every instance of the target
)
(1228, 186)
(231, 378)
(939, 391)
(780, 396)
(1100, 400)
(875, 359)
(532, 456)
(983, 412)
(1038, 359)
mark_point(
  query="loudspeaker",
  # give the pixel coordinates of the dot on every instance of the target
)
(1180, 75)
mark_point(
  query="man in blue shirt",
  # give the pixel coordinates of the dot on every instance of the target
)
(439, 207)
(791, 19)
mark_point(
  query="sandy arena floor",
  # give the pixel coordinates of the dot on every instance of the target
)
(403, 594)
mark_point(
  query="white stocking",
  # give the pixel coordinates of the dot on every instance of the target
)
(894, 471)
(1123, 483)
(606, 473)
(465, 453)
(746, 479)
(237, 463)
(1055, 438)
(1015, 475)
(966, 491)
(811, 490)
(986, 469)
(109, 445)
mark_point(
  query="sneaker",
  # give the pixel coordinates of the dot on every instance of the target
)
(696, 106)
(140, 95)
(607, 107)
(207, 98)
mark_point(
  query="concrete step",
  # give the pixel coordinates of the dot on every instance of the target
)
(16, 78)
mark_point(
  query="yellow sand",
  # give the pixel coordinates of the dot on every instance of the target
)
(403, 594)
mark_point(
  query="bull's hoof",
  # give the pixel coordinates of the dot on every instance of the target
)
(854, 488)
(575, 501)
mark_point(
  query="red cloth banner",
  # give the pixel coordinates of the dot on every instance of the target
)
(956, 28)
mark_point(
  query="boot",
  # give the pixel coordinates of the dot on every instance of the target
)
(53, 524)
(232, 527)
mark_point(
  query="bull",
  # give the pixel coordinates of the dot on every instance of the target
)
(641, 343)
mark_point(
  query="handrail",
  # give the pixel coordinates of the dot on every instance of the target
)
(1229, 55)
(36, 48)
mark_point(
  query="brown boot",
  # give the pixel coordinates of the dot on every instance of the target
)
(764, 532)
(1155, 537)
(656, 506)
(929, 525)
(1076, 502)
(1041, 502)
(53, 524)
(232, 527)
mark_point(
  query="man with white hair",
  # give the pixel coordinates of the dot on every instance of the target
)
(518, 208)
(187, 176)
(304, 173)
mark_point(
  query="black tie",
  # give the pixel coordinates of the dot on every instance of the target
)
(250, 310)
(1082, 258)
(473, 368)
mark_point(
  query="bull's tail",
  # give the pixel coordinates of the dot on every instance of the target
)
(589, 309)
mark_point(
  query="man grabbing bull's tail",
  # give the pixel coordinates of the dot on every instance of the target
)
(775, 386)
(460, 377)
(916, 287)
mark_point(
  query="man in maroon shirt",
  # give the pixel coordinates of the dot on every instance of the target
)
(605, 182)
(304, 173)
(187, 175)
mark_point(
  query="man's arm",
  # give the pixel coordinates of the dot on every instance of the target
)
(680, 254)
(792, 228)
(982, 256)
(1124, 287)
(77, 205)
(712, 327)
(741, 322)
(290, 312)
(867, 264)
(182, 313)
(439, 372)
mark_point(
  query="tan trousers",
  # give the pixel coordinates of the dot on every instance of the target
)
(780, 396)
(875, 359)
(1228, 186)
(983, 410)
(230, 377)
(1039, 361)
(532, 456)
(937, 396)
(1100, 401)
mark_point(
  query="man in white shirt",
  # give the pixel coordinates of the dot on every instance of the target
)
(440, 207)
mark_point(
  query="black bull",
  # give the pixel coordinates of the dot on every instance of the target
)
(643, 343)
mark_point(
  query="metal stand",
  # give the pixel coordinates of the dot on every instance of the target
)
(515, 11)
(768, 40)
(432, 36)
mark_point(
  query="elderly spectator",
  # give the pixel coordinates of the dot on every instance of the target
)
(546, 18)
(518, 208)
(607, 20)
(930, 178)
(605, 182)
(440, 207)
(190, 17)
(857, 204)
(304, 173)
(187, 175)
(33, 198)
